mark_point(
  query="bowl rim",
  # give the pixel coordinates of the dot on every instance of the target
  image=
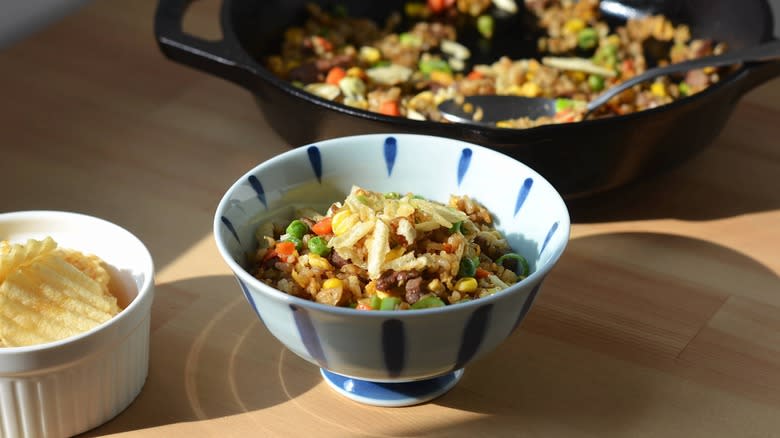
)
(145, 291)
(244, 275)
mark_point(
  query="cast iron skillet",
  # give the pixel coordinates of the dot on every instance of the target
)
(579, 159)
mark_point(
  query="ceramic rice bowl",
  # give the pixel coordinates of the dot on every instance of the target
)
(393, 358)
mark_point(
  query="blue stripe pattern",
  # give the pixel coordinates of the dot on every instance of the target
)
(391, 150)
(548, 237)
(523, 194)
(391, 391)
(230, 227)
(463, 164)
(308, 335)
(393, 346)
(249, 298)
(316, 161)
(527, 305)
(473, 334)
(258, 188)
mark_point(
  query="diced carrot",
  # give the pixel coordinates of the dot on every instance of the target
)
(389, 108)
(474, 75)
(285, 248)
(269, 254)
(627, 69)
(335, 75)
(323, 43)
(363, 306)
(447, 247)
(481, 273)
(437, 6)
(323, 227)
(564, 116)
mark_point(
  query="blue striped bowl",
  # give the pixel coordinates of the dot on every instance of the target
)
(403, 346)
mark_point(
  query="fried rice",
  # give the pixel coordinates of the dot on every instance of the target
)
(387, 251)
(408, 72)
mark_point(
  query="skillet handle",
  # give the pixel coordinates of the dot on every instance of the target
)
(758, 73)
(225, 58)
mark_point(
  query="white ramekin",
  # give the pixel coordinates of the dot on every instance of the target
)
(67, 387)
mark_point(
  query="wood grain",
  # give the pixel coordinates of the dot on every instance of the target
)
(662, 318)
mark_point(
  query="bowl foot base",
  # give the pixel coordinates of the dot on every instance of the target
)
(391, 394)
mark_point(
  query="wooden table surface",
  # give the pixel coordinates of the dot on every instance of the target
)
(661, 319)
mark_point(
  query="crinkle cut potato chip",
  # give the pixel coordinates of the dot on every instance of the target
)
(48, 293)
(13, 256)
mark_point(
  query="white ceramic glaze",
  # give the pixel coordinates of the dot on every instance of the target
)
(406, 345)
(67, 387)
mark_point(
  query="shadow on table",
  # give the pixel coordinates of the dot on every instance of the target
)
(606, 343)
(229, 365)
(611, 334)
(720, 182)
(737, 174)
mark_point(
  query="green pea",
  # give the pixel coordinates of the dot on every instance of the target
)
(522, 263)
(685, 89)
(297, 229)
(428, 302)
(298, 242)
(485, 26)
(389, 303)
(468, 267)
(587, 38)
(606, 55)
(318, 246)
(409, 39)
(562, 104)
(375, 302)
(595, 82)
(427, 66)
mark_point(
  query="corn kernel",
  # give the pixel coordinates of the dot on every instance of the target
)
(319, 262)
(504, 124)
(302, 282)
(530, 89)
(658, 89)
(370, 55)
(442, 77)
(513, 89)
(395, 253)
(294, 35)
(613, 40)
(338, 223)
(356, 72)
(466, 284)
(576, 76)
(332, 283)
(435, 286)
(574, 25)
(382, 294)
